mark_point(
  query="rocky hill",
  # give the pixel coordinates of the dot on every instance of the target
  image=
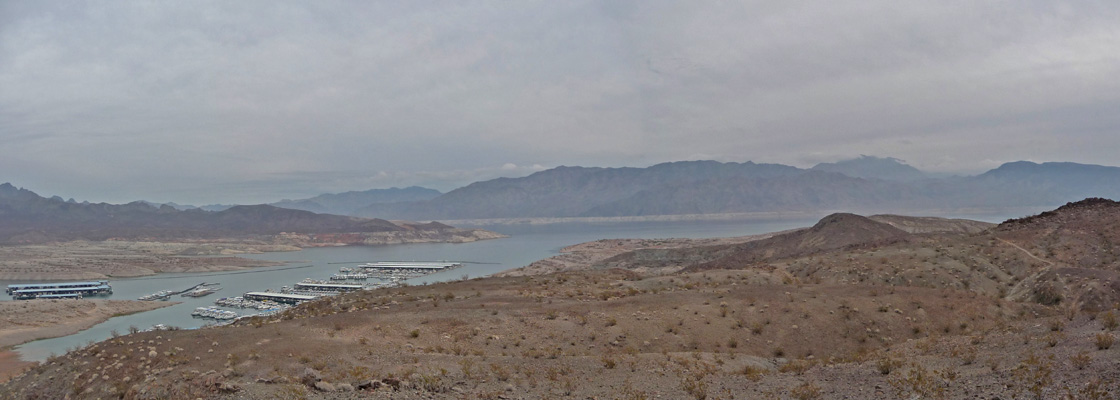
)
(834, 232)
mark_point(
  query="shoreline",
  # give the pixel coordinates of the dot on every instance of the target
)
(117, 259)
(26, 321)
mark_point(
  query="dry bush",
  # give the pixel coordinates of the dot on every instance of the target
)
(886, 365)
(754, 373)
(922, 383)
(1104, 341)
(1080, 360)
(1034, 374)
(807, 391)
(796, 366)
(1108, 320)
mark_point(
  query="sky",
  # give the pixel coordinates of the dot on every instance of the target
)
(201, 102)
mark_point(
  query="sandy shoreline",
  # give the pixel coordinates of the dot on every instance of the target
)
(28, 320)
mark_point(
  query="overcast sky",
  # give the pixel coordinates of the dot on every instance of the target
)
(254, 101)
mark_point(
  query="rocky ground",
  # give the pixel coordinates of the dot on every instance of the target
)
(100, 260)
(587, 255)
(612, 334)
(25, 321)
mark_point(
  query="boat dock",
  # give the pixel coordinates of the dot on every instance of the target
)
(327, 287)
(287, 298)
(409, 266)
(59, 290)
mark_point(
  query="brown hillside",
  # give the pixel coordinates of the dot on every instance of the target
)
(836, 231)
(921, 225)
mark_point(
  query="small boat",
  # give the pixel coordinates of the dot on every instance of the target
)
(160, 295)
(202, 291)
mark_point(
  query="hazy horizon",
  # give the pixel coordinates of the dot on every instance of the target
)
(257, 101)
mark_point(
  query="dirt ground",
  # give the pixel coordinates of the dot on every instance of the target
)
(100, 260)
(28, 320)
(585, 255)
(611, 334)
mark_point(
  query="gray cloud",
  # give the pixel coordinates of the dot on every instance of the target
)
(251, 101)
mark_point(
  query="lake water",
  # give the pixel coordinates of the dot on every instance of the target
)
(526, 244)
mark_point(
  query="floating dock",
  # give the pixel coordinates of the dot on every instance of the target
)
(279, 297)
(59, 290)
(328, 287)
(427, 266)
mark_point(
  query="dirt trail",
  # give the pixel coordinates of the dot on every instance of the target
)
(1031, 255)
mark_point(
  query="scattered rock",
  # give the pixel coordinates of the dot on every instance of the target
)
(393, 382)
(324, 387)
(344, 387)
(226, 387)
(310, 376)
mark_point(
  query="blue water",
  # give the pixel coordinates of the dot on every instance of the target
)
(526, 244)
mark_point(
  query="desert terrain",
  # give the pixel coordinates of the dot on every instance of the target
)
(82, 260)
(852, 307)
(25, 321)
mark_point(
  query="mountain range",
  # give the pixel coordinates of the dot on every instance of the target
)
(862, 185)
(866, 184)
(26, 217)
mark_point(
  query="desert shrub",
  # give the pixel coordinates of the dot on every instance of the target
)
(608, 362)
(430, 383)
(1054, 338)
(1108, 320)
(1034, 374)
(886, 365)
(1080, 360)
(806, 391)
(1104, 341)
(753, 373)
(1047, 295)
(415, 333)
(756, 328)
(796, 366)
(695, 386)
(921, 382)
(1095, 389)
(499, 372)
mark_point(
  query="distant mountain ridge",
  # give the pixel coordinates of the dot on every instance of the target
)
(867, 184)
(349, 202)
(334, 203)
(26, 217)
(869, 167)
